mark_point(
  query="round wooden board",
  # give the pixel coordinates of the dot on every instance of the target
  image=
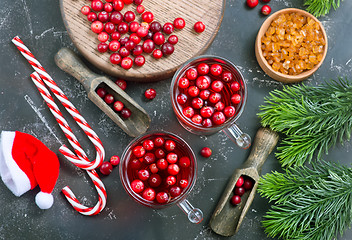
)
(190, 43)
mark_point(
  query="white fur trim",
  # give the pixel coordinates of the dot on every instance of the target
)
(44, 200)
(13, 177)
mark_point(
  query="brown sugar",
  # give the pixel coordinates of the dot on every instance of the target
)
(293, 43)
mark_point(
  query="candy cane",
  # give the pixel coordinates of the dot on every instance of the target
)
(81, 160)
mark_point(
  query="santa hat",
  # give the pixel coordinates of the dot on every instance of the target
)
(26, 162)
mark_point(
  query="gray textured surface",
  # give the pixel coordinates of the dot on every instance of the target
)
(39, 25)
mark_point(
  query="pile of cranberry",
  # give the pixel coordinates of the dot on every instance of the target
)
(243, 184)
(158, 170)
(110, 24)
(208, 94)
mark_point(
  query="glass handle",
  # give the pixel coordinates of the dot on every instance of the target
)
(195, 215)
(243, 140)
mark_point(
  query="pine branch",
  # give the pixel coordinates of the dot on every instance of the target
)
(321, 7)
(312, 204)
(314, 118)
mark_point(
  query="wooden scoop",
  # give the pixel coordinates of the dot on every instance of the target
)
(227, 218)
(135, 125)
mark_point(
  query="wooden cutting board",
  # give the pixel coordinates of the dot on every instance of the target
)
(190, 43)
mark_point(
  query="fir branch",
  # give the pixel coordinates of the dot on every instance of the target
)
(314, 118)
(312, 204)
(321, 7)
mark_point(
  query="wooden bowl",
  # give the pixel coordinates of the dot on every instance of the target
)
(285, 78)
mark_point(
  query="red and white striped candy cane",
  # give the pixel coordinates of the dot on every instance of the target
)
(70, 196)
(83, 161)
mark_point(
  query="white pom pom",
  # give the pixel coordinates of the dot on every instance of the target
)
(44, 200)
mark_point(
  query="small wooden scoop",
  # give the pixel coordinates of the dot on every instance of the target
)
(135, 125)
(227, 218)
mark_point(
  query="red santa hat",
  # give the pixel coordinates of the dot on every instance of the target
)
(26, 162)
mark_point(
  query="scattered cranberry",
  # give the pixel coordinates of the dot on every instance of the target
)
(123, 28)
(162, 197)
(103, 17)
(150, 93)
(140, 9)
(179, 23)
(115, 160)
(127, 1)
(97, 5)
(97, 27)
(235, 200)
(106, 168)
(168, 28)
(116, 17)
(133, 26)
(158, 38)
(92, 16)
(266, 10)
(148, 46)
(114, 35)
(240, 181)
(147, 17)
(138, 2)
(126, 63)
(167, 48)
(149, 194)
(173, 39)
(108, 7)
(115, 58)
(138, 50)
(252, 3)
(101, 92)
(114, 45)
(109, 98)
(110, 28)
(103, 47)
(118, 106)
(118, 5)
(129, 16)
(121, 83)
(137, 185)
(155, 27)
(139, 60)
(85, 10)
(206, 152)
(199, 27)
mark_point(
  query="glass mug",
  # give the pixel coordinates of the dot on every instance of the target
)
(129, 168)
(230, 128)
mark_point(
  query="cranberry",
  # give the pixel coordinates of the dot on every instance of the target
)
(138, 50)
(148, 46)
(154, 180)
(143, 174)
(217, 86)
(147, 17)
(218, 118)
(159, 141)
(248, 184)
(197, 103)
(106, 168)
(114, 45)
(240, 181)
(229, 111)
(85, 10)
(203, 68)
(126, 63)
(227, 76)
(109, 98)
(182, 98)
(175, 191)
(103, 17)
(179, 23)
(219, 106)
(171, 158)
(149, 158)
(173, 39)
(162, 197)
(159, 153)
(92, 16)
(101, 92)
(173, 169)
(108, 7)
(204, 94)
(153, 168)
(199, 27)
(216, 69)
(183, 183)
(170, 145)
(167, 48)
(266, 10)
(139, 60)
(170, 180)
(206, 152)
(148, 194)
(162, 164)
(115, 58)
(118, 106)
(137, 185)
(118, 5)
(206, 111)
(136, 164)
(115, 160)
(148, 145)
(127, 1)
(130, 45)
(150, 93)
(192, 74)
(252, 3)
(97, 5)
(188, 112)
(207, 123)
(140, 9)
(155, 27)
(203, 82)
(239, 191)
(138, 151)
(235, 200)
(183, 83)
(103, 47)
(115, 35)
(236, 98)
(135, 38)
(149, 36)
(197, 119)
(122, 28)
(145, 25)
(121, 83)
(235, 86)
(158, 38)
(126, 113)
(110, 28)
(138, 2)
(193, 91)
(214, 97)
(129, 16)
(116, 17)
(184, 162)
(97, 27)
(134, 26)
(168, 28)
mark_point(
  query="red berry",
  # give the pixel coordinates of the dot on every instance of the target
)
(135, 164)
(140, 9)
(103, 17)
(148, 46)
(207, 123)
(216, 69)
(218, 118)
(138, 151)
(145, 25)
(115, 58)
(121, 83)
(214, 97)
(170, 145)
(173, 39)
(130, 45)
(266, 10)
(101, 92)
(148, 194)
(114, 35)
(97, 27)
(139, 60)
(159, 141)
(125, 113)
(197, 103)
(175, 191)
(148, 145)
(206, 111)
(191, 74)
(147, 17)
(197, 119)
(116, 17)
(143, 174)
(206, 152)
(118, 5)
(217, 86)
(248, 184)
(157, 53)
(172, 158)
(85, 10)
(118, 106)
(92, 16)
(219, 106)
(158, 38)
(203, 68)
(204, 94)
(138, 2)
(106, 168)
(115, 160)
(126, 63)
(114, 45)
(193, 91)
(110, 28)
(167, 48)
(124, 52)
(109, 98)
(184, 162)
(97, 5)
(103, 47)
(183, 183)
(173, 169)
(235, 86)
(236, 98)
(137, 185)
(227, 76)
(229, 111)
(203, 82)
(168, 28)
(199, 27)
(154, 180)
(240, 181)
(155, 27)
(170, 180)
(181, 98)
(162, 197)
(138, 50)
(239, 191)
(122, 28)
(153, 168)
(159, 153)
(108, 7)
(179, 23)
(129, 16)
(188, 112)
(252, 3)
(149, 158)
(183, 83)
(127, 1)
(150, 93)
(162, 164)
(235, 200)
(134, 27)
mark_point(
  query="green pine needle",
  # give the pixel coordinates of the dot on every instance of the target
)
(314, 119)
(321, 7)
(314, 204)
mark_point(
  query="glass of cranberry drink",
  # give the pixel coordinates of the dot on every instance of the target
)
(158, 170)
(208, 94)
